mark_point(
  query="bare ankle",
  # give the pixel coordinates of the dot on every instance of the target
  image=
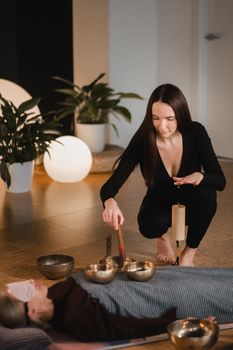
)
(187, 256)
(164, 249)
(164, 237)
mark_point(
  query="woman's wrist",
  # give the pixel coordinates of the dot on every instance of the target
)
(109, 201)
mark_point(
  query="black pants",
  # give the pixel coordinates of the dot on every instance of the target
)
(154, 217)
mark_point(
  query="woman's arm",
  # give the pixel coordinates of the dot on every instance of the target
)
(212, 175)
(129, 160)
(112, 214)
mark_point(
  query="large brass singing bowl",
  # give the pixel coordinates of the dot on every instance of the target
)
(55, 266)
(100, 273)
(140, 270)
(193, 334)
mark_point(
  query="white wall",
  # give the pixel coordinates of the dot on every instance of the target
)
(151, 42)
(216, 93)
(177, 46)
(132, 57)
(139, 44)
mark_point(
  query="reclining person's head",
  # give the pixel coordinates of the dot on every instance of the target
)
(12, 312)
(40, 307)
(15, 313)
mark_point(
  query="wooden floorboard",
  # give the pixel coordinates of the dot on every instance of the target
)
(67, 218)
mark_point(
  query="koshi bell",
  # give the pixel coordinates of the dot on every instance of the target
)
(178, 226)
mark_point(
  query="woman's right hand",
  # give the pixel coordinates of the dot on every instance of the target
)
(112, 214)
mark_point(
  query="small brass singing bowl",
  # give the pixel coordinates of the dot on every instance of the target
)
(100, 273)
(116, 261)
(55, 266)
(140, 270)
(193, 334)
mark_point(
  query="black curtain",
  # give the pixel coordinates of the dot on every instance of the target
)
(36, 44)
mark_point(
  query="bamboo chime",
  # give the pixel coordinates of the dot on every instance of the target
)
(178, 227)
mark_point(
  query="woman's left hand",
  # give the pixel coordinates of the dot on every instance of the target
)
(192, 179)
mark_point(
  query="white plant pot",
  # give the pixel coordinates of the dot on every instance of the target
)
(21, 176)
(94, 135)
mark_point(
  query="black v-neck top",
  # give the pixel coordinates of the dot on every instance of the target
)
(198, 155)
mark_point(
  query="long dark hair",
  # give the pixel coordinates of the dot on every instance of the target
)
(173, 96)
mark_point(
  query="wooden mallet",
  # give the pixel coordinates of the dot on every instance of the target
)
(121, 245)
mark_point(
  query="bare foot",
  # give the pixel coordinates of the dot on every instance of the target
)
(165, 252)
(187, 256)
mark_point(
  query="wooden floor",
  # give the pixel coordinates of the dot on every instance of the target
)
(54, 217)
(66, 218)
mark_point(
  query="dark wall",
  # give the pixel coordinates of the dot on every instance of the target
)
(8, 48)
(36, 44)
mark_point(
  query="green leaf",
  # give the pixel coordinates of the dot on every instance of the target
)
(87, 88)
(21, 120)
(3, 131)
(115, 129)
(7, 112)
(107, 104)
(64, 113)
(6, 103)
(124, 112)
(129, 95)
(101, 91)
(68, 82)
(25, 106)
(70, 92)
(4, 171)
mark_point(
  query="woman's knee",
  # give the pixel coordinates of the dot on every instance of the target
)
(154, 219)
(153, 228)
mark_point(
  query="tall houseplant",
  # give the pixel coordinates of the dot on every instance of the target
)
(93, 104)
(23, 136)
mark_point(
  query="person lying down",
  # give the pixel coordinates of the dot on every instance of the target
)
(122, 309)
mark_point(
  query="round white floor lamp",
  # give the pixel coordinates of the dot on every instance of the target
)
(69, 159)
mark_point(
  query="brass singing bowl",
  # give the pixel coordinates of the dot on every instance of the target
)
(55, 266)
(116, 261)
(140, 270)
(100, 273)
(193, 334)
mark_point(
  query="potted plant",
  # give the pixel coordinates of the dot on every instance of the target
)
(92, 105)
(23, 137)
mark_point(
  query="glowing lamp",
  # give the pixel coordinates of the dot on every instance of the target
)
(69, 159)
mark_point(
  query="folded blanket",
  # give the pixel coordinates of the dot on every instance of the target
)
(196, 292)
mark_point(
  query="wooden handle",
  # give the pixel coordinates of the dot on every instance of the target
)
(177, 253)
(121, 246)
(108, 245)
